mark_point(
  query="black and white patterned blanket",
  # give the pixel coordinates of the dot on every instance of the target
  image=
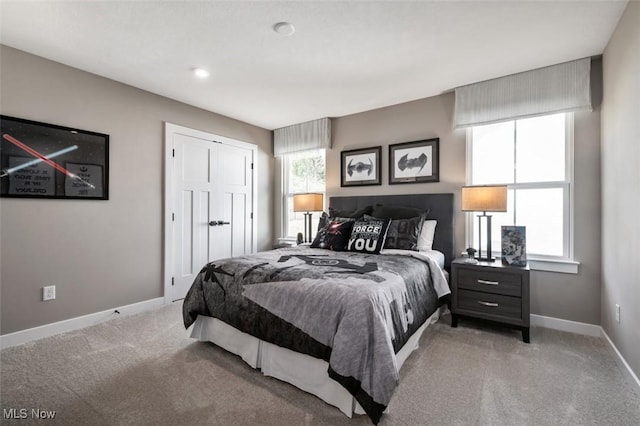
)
(353, 310)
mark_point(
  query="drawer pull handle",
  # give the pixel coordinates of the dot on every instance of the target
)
(488, 282)
(493, 305)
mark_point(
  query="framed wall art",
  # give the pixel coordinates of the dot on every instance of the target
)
(360, 167)
(414, 162)
(40, 160)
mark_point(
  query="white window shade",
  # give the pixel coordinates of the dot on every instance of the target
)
(558, 88)
(314, 134)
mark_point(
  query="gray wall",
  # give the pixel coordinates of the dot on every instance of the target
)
(566, 296)
(411, 121)
(621, 186)
(99, 254)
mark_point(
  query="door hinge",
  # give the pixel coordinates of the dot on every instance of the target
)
(173, 281)
(173, 152)
(251, 215)
(173, 217)
(251, 166)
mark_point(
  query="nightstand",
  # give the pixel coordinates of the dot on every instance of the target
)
(491, 291)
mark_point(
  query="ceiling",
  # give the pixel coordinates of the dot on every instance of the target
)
(344, 57)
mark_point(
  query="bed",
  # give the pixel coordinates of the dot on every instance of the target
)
(337, 324)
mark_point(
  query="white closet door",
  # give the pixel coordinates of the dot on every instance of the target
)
(212, 200)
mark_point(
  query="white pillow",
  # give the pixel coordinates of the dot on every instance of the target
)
(425, 239)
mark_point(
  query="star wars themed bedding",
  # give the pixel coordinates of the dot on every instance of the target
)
(353, 310)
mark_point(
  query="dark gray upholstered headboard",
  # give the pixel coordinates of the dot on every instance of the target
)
(440, 206)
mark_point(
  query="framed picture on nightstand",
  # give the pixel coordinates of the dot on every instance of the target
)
(514, 245)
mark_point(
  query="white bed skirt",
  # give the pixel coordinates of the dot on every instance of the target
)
(303, 371)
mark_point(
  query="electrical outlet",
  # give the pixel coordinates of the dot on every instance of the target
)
(617, 313)
(49, 292)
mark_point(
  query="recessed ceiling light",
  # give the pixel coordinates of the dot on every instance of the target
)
(284, 28)
(201, 72)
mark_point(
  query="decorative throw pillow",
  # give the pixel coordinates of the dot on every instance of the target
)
(323, 221)
(403, 233)
(397, 212)
(367, 236)
(425, 241)
(334, 235)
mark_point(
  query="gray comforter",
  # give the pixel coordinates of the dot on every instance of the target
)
(353, 310)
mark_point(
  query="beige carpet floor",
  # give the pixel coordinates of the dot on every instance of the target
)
(145, 370)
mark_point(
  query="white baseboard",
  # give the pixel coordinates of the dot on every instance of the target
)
(566, 325)
(47, 330)
(622, 363)
(589, 330)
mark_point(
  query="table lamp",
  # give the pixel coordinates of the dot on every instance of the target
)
(308, 202)
(489, 198)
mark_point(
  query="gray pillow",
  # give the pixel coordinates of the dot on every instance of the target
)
(403, 234)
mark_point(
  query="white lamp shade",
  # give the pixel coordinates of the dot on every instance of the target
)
(310, 202)
(484, 198)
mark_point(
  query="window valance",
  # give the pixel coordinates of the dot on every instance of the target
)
(558, 88)
(315, 134)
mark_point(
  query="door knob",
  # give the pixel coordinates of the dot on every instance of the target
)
(213, 223)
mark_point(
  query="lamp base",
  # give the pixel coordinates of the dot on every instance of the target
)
(308, 237)
(488, 257)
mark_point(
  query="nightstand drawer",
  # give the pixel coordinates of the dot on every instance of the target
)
(491, 282)
(492, 304)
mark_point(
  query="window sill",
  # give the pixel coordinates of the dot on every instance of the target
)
(286, 240)
(562, 266)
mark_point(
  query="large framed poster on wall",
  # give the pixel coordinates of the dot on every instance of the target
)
(40, 160)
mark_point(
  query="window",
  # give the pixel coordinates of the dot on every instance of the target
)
(533, 157)
(302, 172)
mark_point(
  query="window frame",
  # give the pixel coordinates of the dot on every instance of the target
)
(565, 263)
(286, 195)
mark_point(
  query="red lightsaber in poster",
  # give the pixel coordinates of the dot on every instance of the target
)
(47, 160)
